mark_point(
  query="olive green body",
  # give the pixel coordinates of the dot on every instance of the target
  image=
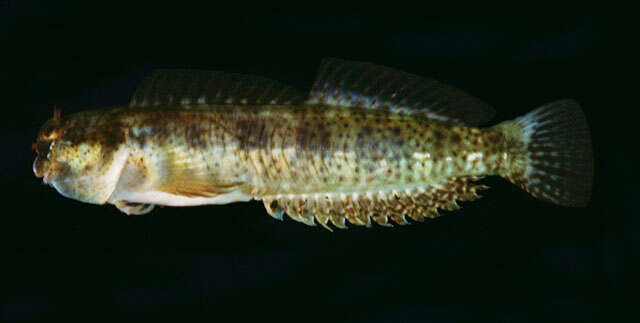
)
(285, 150)
(367, 143)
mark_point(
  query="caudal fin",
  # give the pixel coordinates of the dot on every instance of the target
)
(556, 163)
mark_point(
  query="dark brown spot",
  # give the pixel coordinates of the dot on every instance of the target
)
(494, 137)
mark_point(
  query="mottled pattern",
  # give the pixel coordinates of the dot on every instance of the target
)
(369, 144)
(297, 155)
(305, 153)
(184, 152)
(81, 154)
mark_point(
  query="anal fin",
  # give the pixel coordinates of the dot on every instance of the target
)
(383, 207)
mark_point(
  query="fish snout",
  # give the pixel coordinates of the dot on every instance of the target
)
(48, 170)
(39, 167)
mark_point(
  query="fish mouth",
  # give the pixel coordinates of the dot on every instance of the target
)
(38, 167)
(42, 169)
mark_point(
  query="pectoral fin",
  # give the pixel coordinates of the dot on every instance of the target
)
(197, 187)
(185, 173)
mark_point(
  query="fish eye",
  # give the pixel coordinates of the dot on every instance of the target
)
(50, 134)
(42, 146)
(50, 130)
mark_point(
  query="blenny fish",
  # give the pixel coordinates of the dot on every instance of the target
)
(367, 144)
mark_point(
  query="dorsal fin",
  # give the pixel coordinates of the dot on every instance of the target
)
(356, 84)
(191, 87)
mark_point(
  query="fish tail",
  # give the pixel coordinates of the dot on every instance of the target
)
(551, 156)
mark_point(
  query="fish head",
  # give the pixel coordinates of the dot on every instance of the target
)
(78, 158)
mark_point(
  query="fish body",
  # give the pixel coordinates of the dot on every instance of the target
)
(341, 154)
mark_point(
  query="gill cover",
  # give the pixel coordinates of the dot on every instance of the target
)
(90, 183)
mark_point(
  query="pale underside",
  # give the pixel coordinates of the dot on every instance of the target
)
(358, 208)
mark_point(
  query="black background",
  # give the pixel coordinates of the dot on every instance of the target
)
(506, 257)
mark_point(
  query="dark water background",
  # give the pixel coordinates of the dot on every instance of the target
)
(505, 258)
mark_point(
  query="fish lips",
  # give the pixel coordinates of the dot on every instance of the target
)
(48, 170)
(39, 167)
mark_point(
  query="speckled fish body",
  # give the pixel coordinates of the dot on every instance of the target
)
(287, 153)
(343, 153)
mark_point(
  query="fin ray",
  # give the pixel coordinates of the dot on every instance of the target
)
(364, 85)
(380, 207)
(556, 161)
(192, 87)
(182, 176)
